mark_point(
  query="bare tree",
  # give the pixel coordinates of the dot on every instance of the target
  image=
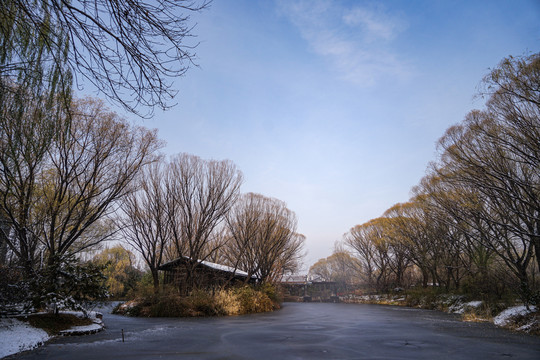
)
(57, 196)
(28, 124)
(263, 239)
(199, 195)
(144, 221)
(127, 49)
(321, 269)
(243, 222)
(514, 109)
(340, 267)
(503, 216)
(438, 201)
(360, 239)
(5, 228)
(410, 222)
(92, 165)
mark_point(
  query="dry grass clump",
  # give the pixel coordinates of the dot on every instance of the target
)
(223, 302)
(228, 301)
(483, 313)
(529, 323)
(254, 301)
(475, 317)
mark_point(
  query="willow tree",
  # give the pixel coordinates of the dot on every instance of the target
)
(200, 193)
(92, 166)
(144, 220)
(129, 50)
(58, 199)
(504, 214)
(33, 79)
(513, 108)
(34, 61)
(339, 267)
(493, 158)
(262, 237)
(371, 247)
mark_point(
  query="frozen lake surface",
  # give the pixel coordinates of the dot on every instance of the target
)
(298, 331)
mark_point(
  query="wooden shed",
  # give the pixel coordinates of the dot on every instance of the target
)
(207, 275)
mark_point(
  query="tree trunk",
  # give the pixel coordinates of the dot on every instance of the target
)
(524, 289)
(535, 240)
(155, 278)
(425, 277)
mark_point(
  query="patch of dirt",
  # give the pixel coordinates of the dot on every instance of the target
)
(53, 323)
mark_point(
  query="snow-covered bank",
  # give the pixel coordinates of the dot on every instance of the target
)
(96, 326)
(517, 318)
(17, 336)
(509, 315)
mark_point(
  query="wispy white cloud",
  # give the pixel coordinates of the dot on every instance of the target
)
(376, 24)
(358, 41)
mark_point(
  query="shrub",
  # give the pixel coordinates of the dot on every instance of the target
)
(272, 293)
(67, 283)
(422, 297)
(203, 304)
(253, 301)
(228, 302)
(169, 302)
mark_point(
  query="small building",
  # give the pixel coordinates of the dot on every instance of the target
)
(325, 291)
(306, 288)
(293, 286)
(206, 275)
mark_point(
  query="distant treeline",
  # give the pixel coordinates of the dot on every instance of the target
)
(473, 222)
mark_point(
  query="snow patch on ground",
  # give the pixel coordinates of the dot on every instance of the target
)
(97, 325)
(128, 305)
(474, 304)
(505, 317)
(17, 336)
(459, 308)
(83, 330)
(526, 327)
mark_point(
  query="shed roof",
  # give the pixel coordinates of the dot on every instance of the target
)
(219, 267)
(294, 279)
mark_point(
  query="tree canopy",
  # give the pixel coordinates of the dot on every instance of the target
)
(129, 50)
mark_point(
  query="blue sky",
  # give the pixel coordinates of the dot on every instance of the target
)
(335, 107)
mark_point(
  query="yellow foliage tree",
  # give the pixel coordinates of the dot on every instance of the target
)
(119, 270)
